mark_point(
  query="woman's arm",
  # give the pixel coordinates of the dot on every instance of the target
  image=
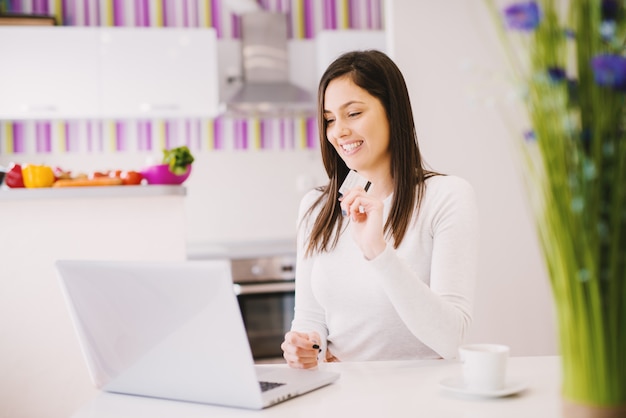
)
(438, 314)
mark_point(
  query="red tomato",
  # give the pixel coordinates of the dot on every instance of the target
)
(131, 177)
(115, 174)
(97, 174)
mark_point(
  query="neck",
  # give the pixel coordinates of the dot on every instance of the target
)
(382, 184)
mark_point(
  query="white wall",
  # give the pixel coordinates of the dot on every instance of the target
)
(449, 54)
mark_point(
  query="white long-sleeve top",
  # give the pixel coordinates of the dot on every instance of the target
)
(413, 302)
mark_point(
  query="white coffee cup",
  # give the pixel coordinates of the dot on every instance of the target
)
(484, 365)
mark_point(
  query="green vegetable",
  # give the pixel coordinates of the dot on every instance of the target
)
(178, 159)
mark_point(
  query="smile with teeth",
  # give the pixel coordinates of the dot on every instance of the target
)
(351, 146)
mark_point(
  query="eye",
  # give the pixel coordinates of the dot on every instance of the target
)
(329, 121)
(353, 114)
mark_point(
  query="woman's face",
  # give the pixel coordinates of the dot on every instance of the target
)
(357, 126)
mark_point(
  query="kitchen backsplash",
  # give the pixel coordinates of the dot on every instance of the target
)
(306, 18)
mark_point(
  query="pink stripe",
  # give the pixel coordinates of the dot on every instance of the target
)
(18, 138)
(185, 14)
(215, 21)
(330, 14)
(15, 6)
(236, 26)
(120, 137)
(217, 133)
(281, 134)
(263, 133)
(118, 13)
(309, 19)
(311, 132)
(89, 137)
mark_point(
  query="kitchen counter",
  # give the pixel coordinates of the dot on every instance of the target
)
(374, 389)
(82, 192)
(42, 373)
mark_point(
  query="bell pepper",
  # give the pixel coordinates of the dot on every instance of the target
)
(38, 176)
(13, 178)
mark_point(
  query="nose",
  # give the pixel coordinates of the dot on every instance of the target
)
(339, 130)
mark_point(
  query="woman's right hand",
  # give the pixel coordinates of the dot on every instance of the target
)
(301, 350)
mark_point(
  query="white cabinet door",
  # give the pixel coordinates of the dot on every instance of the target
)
(148, 72)
(48, 73)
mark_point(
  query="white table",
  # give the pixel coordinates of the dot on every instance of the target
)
(375, 389)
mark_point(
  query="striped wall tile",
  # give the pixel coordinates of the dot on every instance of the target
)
(305, 19)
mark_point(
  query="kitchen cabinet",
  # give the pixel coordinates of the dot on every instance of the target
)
(147, 72)
(40, 353)
(116, 73)
(48, 73)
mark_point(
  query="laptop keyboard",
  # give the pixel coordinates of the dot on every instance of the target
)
(265, 386)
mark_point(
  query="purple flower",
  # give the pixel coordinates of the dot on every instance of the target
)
(522, 16)
(610, 71)
(556, 74)
(610, 9)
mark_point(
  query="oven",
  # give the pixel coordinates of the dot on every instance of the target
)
(265, 289)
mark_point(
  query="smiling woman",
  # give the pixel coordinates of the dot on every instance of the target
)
(388, 271)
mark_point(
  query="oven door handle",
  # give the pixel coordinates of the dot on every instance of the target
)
(255, 289)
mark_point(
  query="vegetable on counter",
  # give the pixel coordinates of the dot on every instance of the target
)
(89, 182)
(178, 159)
(13, 177)
(37, 176)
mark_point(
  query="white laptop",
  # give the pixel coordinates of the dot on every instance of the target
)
(172, 330)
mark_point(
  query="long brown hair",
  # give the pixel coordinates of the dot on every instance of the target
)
(376, 73)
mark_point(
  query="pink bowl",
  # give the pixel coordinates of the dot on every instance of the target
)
(161, 174)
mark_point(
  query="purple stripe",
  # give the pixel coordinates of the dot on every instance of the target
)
(311, 132)
(195, 12)
(167, 134)
(378, 15)
(145, 7)
(352, 7)
(15, 6)
(236, 26)
(18, 138)
(262, 133)
(40, 6)
(118, 12)
(138, 14)
(89, 137)
(309, 19)
(66, 128)
(165, 11)
(120, 136)
(215, 21)
(330, 14)
(281, 134)
(217, 133)
(185, 14)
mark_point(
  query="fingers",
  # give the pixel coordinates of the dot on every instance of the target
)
(301, 350)
(356, 204)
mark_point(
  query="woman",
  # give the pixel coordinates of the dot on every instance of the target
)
(386, 273)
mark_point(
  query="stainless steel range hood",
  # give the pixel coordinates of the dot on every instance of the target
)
(266, 89)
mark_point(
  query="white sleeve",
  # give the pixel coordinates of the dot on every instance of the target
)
(308, 315)
(438, 314)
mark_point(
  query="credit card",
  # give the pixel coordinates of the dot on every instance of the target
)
(354, 179)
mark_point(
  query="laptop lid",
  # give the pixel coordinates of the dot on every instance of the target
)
(169, 330)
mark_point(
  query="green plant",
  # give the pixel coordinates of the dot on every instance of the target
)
(569, 57)
(178, 159)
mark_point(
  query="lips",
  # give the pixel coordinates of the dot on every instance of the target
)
(351, 146)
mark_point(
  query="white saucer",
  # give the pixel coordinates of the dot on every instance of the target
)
(456, 385)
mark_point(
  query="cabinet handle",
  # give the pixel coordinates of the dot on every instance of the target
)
(255, 289)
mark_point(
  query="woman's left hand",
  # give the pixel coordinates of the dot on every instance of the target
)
(366, 214)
